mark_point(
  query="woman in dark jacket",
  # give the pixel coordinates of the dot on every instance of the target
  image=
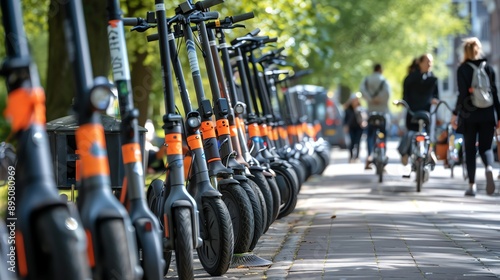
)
(420, 90)
(477, 124)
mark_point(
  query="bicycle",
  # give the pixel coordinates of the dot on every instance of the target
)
(147, 228)
(111, 237)
(421, 162)
(377, 121)
(46, 238)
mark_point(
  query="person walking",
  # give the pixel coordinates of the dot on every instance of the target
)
(476, 123)
(376, 91)
(354, 122)
(420, 91)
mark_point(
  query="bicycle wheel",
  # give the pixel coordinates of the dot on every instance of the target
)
(257, 214)
(260, 180)
(115, 254)
(241, 213)
(183, 243)
(419, 173)
(216, 251)
(60, 256)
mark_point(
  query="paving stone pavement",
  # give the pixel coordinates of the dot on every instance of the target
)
(348, 226)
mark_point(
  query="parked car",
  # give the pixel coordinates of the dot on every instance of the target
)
(327, 111)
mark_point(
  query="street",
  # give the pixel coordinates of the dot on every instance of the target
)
(348, 226)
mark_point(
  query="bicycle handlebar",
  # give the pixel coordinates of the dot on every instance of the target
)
(229, 21)
(405, 104)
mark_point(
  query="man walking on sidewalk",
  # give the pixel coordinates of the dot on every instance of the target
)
(376, 91)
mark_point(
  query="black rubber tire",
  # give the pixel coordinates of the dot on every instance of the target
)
(216, 251)
(261, 182)
(115, 254)
(277, 201)
(419, 174)
(299, 168)
(257, 214)
(183, 243)
(262, 201)
(59, 255)
(288, 190)
(380, 172)
(241, 213)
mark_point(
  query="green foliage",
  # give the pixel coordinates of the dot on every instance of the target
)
(339, 40)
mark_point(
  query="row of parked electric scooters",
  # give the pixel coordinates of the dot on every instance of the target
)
(235, 163)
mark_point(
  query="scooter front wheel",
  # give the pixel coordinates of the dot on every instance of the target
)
(183, 243)
(115, 254)
(216, 251)
(60, 255)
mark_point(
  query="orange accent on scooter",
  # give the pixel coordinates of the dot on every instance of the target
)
(25, 106)
(194, 142)
(21, 254)
(92, 147)
(263, 129)
(317, 127)
(234, 130)
(223, 127)
(173, 141)
(253, 130)
(188, 160)
(292, 130)
(213, 159)
(283, 134)
(207, 130)
(272, 133)
(131, 153)
(114, 23)
(90, 248)
(123, 194)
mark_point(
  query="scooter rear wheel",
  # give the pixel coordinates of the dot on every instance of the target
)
(257, 214)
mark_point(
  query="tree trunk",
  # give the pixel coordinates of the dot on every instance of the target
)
(60, 77)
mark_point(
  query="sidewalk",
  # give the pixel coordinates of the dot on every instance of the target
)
(348, 226)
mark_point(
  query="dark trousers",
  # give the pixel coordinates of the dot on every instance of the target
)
(483, 134)
(355, 134)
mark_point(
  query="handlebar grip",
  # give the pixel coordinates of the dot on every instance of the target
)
(202, 5)
(243, 17)
(254, 32)
(278, 51)
(270, 40)
(153, 37)
(130, 21)
(210, 15)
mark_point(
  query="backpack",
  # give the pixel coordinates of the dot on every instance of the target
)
(480, 87)
(378, 89)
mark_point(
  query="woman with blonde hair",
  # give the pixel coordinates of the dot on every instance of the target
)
(477, 124)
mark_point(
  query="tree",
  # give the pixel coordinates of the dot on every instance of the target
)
(60, 86)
